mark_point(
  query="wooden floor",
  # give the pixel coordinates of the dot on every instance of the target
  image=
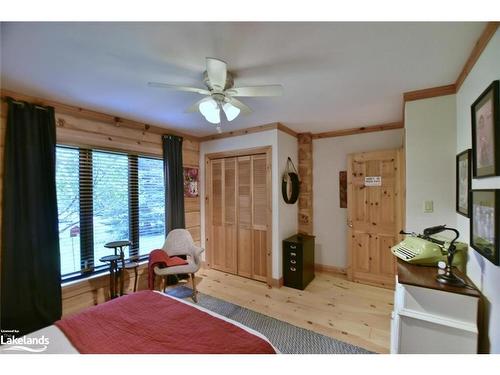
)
(330, 305)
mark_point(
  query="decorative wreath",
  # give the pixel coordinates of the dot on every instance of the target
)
(291, 175)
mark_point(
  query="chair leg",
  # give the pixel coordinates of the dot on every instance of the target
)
(163, 285)
(195, 297)
(136, 279)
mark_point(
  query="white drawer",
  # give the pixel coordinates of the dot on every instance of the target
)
(424, 337)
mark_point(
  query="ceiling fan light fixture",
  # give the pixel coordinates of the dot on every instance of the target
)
(231, 111)
(210, 110)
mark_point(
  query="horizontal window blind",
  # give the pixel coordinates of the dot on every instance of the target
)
(151, 205)
(68, 205)
(103, 197)
(110, 201)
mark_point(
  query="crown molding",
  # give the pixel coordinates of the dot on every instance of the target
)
(476, 52)
(360, 130)
(429, 93)
(482, 42)
(255, 129)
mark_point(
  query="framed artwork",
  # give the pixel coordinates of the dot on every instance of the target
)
(463, 183)
(484, 223)
(190, 182)
(343, 189)
(486, 133)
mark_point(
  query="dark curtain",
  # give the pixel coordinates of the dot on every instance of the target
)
(174, 182)
(30, 274)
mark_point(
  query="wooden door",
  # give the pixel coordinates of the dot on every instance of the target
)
(259, 216)
(252, 217)
(245, 233)
(374, 202)
(223, 228)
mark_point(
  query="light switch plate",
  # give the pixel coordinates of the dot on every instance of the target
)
(428, 207)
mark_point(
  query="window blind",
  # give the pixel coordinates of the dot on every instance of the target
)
(151, 205)
(68, 204)
(110, 201)
(105, 196)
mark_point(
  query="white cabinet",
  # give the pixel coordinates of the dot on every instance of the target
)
(431, 318)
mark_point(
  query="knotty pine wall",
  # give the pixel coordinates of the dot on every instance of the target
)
(305, 156)
(80, 131)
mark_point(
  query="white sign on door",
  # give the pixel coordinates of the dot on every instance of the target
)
(373, 181)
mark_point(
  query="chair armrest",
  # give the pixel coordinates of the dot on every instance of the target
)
(196, 252)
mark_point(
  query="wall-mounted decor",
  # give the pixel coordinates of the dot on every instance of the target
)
(190, 182)
(343, 189)
(290, 184)
(484, 223)
(463, 183)
(486, 133)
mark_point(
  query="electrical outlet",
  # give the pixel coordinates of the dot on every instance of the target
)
(428, 207)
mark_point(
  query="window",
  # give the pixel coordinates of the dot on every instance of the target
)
(104, 196)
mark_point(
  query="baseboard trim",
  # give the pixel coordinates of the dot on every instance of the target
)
(277, 283)
(330, 269)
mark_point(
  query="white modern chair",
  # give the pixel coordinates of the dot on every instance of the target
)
(180, 242)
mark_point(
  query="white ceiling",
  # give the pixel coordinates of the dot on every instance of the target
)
(335, 75)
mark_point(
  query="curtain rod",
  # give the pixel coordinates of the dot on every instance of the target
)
(22, 103)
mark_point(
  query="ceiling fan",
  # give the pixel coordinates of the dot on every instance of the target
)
(220, 93)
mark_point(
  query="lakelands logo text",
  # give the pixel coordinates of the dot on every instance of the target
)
(27, 344)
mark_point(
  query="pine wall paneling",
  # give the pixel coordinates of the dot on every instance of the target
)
(306, 183)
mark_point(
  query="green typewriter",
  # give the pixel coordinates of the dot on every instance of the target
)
(429, 250)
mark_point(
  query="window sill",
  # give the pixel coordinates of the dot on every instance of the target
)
(67, 284)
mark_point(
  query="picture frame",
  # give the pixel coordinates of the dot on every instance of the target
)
(190, 182)
(463, 183)
(486, 133)
(343, 189)
(484, 224)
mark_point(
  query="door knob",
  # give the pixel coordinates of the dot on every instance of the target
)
(349, 223)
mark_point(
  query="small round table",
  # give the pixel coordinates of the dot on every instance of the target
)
(119, 245)
(113, 262)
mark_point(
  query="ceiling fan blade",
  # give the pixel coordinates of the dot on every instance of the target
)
(217, 73)
(245, 110)
(179, 88)
(196, 106)
(268, 90)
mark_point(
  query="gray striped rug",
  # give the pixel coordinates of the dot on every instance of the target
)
(286, 337)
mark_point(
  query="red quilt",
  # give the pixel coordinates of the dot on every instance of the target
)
(148, 322)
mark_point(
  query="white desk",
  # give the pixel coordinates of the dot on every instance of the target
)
(430, 317)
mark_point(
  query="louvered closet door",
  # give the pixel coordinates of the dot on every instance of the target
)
(223, 211)
(259, 216)
(230, 215)
(217, 235)
(245, 233)
(239, 207)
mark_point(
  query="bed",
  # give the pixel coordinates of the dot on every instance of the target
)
(149, 322)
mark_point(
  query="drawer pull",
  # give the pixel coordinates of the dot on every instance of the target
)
(293, 261)
(293, 247)
(293, 269)
(293, 254)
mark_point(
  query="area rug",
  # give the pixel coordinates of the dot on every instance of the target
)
(287, 338)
